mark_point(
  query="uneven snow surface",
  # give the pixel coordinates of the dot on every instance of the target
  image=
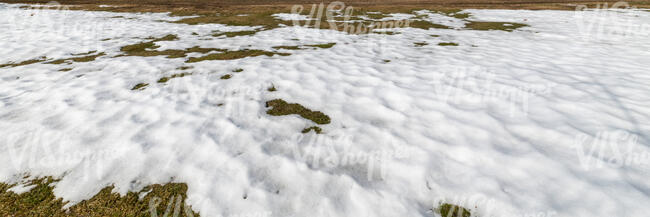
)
(505, 123)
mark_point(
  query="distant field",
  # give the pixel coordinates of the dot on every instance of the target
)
(533, 4)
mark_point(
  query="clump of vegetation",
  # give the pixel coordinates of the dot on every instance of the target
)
(447, 44)
(65, 69)
(26, 62)
(435, 36)
(237, 70)
(386, 61)
(139, 86)
(420, 44)
(484, 26)
(231, 55)
(77, 59)
(86, 53)
(272, 88)
(451, 210)
(234, 34)
(281, 107)
(421, 24)
(316, 129)
(288, 47)
(255, 17)
(178, 75)
(40, 201)
(324, 46)
(226, 76)
(184, 67)
(147, 49)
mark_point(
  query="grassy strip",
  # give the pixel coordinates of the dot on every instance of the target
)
(40, 201)
(77, 59)
(231, 55)
(447, 44)
(26, 62)
(234, 34)
(178, 75)
(281, 107)
(484, 26)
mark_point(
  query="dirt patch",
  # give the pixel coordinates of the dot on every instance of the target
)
(451, 210)
(234, 34)
(77, 59)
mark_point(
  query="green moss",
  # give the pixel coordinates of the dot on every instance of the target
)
(447, 44)
(139, 86)
(237, 70)
(234, 34)
(226, 76)
(178, 75)
(328, 45)
(281, 107)
(451, 210)
(40, 201)
(231, 55)
(420, 44)
(26, 62)
(316, 129)
(484, 26)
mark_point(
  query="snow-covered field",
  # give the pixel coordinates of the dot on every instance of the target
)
(552, 119)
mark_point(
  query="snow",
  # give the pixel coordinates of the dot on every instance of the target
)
(493, 124)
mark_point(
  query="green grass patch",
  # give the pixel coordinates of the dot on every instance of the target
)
(485, 26)
(231, 55)
(226, 76)
(288, 47)
(41, 201)
(421, 24)
(234, 34)
(26, 62)
(139, 86)
(447, 44)
(316, 129)
(77, 59)
(324, 46)
(281, 107)
(272, 88)
(184, 67)
(420, 44)
(451, 210)
(178, 75)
